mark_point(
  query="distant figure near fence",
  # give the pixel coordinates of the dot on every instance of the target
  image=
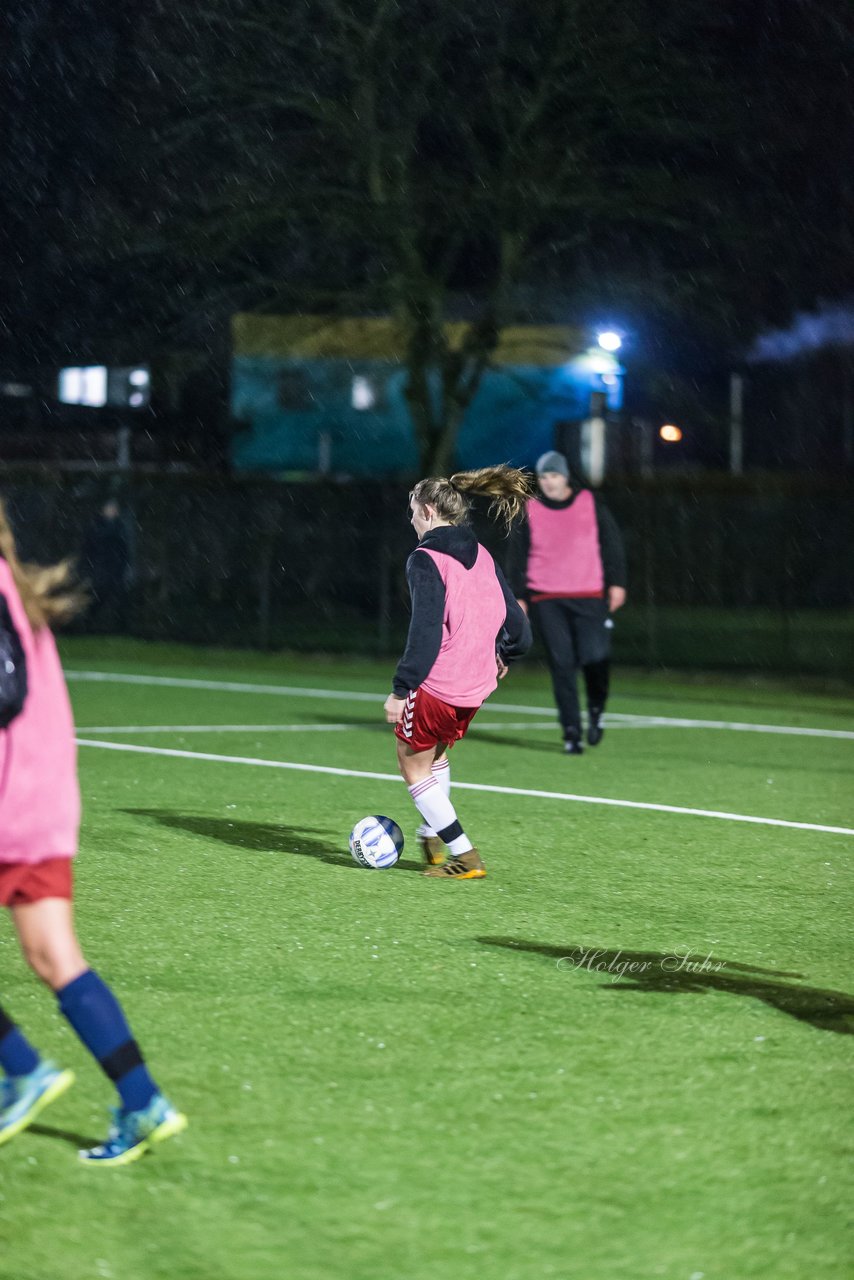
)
(569, 567)
(106, 565)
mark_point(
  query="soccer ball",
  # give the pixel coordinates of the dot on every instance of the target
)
(376, 843)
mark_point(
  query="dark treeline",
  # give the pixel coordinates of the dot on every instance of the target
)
(686, 165)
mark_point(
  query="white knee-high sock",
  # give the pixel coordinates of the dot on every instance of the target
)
(438, 812)
(441, 771)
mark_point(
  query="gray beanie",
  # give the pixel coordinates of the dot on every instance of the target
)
(552, 461)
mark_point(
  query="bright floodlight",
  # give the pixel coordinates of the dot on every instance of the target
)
(595, 360)
(362, 395)
(670, 432)
(84, 385)
(610, 341)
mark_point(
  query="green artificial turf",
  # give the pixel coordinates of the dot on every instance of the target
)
(390, 1077)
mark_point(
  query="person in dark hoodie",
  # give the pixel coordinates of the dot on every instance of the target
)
(106, 564)
(568, 566)
(466, 626)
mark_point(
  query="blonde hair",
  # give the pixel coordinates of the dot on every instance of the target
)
(508, 488)
(48, 592)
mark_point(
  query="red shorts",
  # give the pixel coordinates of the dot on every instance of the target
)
(427, 721)
(23, 882)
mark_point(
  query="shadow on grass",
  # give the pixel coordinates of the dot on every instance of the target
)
(263, 837)
(77, 1140)
(680, 973)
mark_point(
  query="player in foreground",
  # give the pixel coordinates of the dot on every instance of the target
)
(466, 626)
(39, 820)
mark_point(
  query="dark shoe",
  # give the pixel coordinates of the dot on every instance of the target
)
(595, 728)
(572, 745)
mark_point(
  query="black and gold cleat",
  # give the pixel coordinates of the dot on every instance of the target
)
(468, 866)
(433, 850)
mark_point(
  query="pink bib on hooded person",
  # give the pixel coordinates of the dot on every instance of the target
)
(564, 558)
(465, 672)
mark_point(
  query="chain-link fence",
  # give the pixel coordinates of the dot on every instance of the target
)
(722, 574)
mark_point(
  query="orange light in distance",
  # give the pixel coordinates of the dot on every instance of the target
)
(670, 433)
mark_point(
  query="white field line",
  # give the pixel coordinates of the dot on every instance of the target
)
(223, 686)
(552, 725)
(626, 722)
(343, 695)
(463, 786)
(215, 728)
(614, 719)
(292, 728)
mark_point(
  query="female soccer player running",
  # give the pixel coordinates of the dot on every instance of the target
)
(39, 819)
(466, 625)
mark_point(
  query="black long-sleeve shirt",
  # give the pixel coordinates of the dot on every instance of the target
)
(427, 592)
(611, 546)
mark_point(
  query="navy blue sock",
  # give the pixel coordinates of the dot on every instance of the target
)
(17, 1055)
(96, 1015)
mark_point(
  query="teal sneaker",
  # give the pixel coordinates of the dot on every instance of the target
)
(22, 1098)
(132, 1133)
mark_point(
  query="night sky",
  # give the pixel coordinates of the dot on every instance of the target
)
(690, 174)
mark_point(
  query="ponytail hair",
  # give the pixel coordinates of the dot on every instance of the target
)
(48, 592)
(508, 488)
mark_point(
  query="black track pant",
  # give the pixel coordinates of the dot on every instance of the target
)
(576, 633)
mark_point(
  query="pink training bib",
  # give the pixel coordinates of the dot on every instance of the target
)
(564, 557)
(465, 673)
(39, 794)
